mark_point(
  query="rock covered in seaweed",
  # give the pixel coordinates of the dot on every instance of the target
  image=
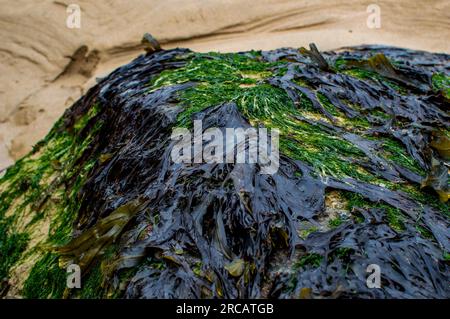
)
(363, 179)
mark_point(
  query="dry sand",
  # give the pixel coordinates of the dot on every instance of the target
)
(45, 66)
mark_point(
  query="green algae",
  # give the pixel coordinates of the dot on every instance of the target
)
(12, 245)
(328, 105)
(394, 216)
(335, 222)
(447, 256)
(304, 233)
(397, 153)
(37, 185)
(311, 259)
(220, 78)
(344, 255)
(92, 285)
(343, 252)
(46, 279)
(215, 68)
(441, 82)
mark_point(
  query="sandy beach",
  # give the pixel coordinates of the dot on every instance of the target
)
(45, 66)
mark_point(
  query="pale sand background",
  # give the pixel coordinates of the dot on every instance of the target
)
(41, 74)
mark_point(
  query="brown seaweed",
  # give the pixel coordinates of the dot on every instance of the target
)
(225, 230)
(229, 222)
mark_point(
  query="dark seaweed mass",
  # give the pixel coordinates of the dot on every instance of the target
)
(225, 230)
